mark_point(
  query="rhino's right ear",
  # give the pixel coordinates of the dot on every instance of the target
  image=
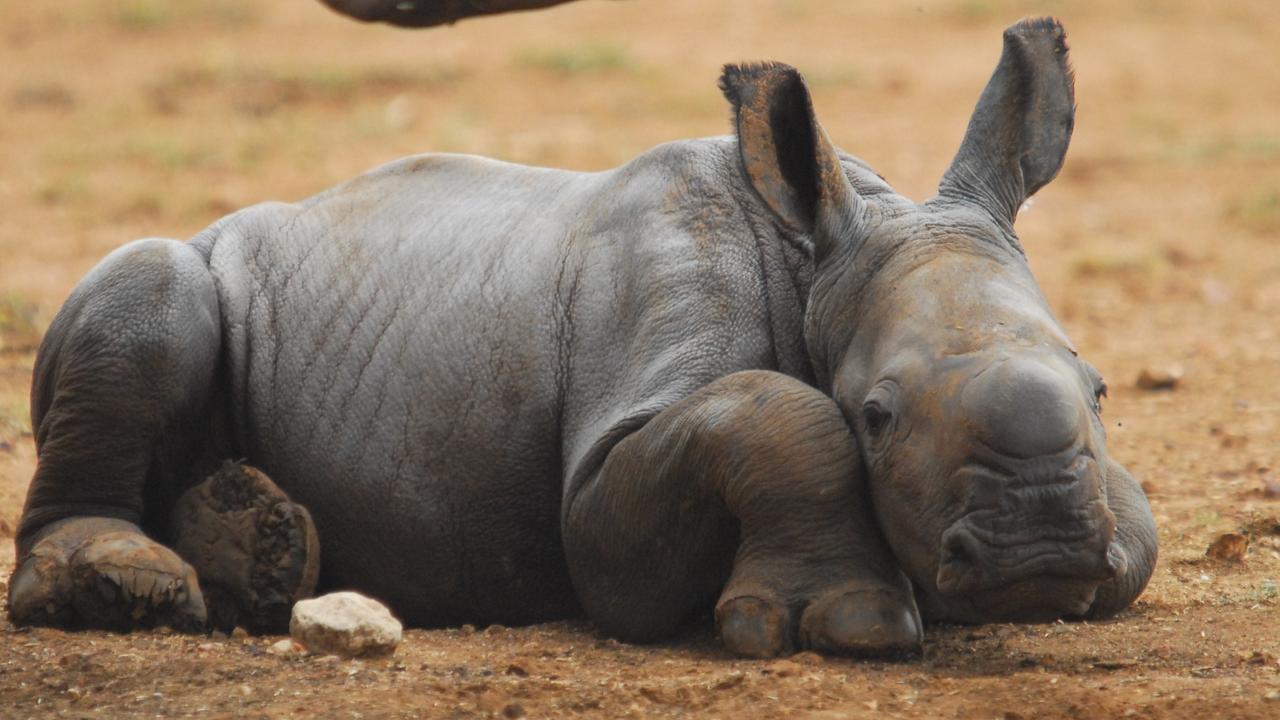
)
(786, 155)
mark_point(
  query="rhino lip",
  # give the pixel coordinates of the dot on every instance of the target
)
(969, 564)
(1049, 521)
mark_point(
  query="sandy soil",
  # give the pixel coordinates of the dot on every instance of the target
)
(1157, 247)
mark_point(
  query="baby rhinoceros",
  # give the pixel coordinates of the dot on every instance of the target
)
(736, 373)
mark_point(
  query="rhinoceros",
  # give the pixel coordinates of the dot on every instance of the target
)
(737, 374)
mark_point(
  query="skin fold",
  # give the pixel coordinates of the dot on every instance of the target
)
(739, 375)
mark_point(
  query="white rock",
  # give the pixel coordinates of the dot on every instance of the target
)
(283, 647)
(346, 624)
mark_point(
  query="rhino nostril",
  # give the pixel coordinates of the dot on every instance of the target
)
(1117, 560)
(957, 562)
(955, 552)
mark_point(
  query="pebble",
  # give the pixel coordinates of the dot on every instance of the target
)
(284, 647)
(1271, 489)
(346, 624)
(1159, 377)
(1229, 546)
(784, 668)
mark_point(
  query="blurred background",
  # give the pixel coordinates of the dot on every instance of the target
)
(1158, 245)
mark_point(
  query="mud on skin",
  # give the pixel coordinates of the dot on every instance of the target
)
(739, 374)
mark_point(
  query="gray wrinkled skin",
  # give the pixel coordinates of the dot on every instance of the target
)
(432, 385)
(735, 368)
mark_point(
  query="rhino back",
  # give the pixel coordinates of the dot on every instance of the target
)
(416, 354)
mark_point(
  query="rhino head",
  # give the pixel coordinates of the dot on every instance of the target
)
(977, 420)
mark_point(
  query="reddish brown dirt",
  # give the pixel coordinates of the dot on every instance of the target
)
(1157, 246)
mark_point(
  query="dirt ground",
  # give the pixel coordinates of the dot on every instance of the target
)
(1157, 246)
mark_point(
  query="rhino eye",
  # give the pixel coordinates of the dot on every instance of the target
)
(1099, 386)
(875, 417)
(877, 410)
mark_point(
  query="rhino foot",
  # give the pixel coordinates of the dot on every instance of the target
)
(255, 550)
(862, 622)
(104, 573)
(855, 618)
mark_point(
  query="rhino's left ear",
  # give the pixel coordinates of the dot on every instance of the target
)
(1020, 130)
(786, 155)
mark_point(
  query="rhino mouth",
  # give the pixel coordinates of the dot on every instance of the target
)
(969, 564)
(1045, 521)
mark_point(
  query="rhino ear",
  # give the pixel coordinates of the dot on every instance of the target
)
(786, 155)
(1020, 130)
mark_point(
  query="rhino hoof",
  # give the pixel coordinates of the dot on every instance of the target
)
(752, 627)
(864, 623)
(118, 580)
(255, 550)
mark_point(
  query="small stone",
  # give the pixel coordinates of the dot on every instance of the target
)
(514, 710)
(1159, 378)
(808, 657)
(284, 647)
(784, 668)
(1271, 489)
(239, 633)
(1272, 696)
(346, 624)
(1148, 488)
(730, 682)
(1229, 546)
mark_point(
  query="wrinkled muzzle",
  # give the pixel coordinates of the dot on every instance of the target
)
(1035, 519)
(1046, 522)
(1024, 525)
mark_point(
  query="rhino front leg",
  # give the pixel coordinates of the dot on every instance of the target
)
(1136, 538)
(751, 488)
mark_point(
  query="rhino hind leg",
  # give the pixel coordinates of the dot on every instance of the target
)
(120, 410)
(104, 573)
(256, 552)
(751, 489)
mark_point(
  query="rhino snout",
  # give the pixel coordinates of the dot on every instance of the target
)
(1043, 519)
(967, 564)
